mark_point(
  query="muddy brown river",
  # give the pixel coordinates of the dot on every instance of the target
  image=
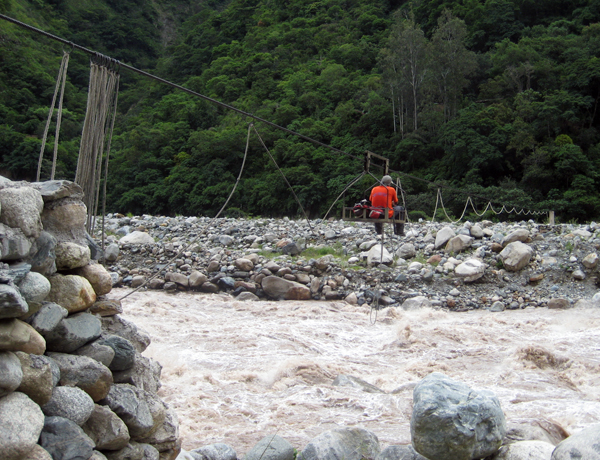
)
(238, 371)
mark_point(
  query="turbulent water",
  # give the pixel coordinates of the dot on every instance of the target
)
(238, 371)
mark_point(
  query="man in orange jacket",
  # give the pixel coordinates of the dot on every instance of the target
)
(384, 196)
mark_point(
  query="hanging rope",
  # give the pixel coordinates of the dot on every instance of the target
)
(203, 231)
(60, 83)
(102, 100)
(284, 178)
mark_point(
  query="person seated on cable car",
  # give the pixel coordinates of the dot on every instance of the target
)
(384, 196)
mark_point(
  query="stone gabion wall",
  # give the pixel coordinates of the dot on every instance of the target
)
(73, 381)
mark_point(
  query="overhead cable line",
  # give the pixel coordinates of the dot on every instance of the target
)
(219, 103)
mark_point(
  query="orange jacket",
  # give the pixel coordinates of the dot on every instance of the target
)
(384, 197)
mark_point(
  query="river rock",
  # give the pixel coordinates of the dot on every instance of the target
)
(525, 450)
(343, 443)
(145, 374)
(98, 277)
(271, 447)
(47, 318)
(22, 208)
(71, 255)
(124, 401)
(21, 422)
(137, 237)
(38, 380)
(458, 244)
(86, 373)
(111, 252)
(521, 235)
(470, 270)
(69, 402)
(279, 288)
(124, 356)
(406, 251)
(378, 254)
(106, 307)
(450, 421)
(580, 446)
(12, 303)
(34, 288)
(120, 326)
(72, 292)
(197, 279)
(101, 353)
(416, 303)
(65, 440)
(11, 373)
(443, 236)
(43, 259)
(106, 429)
(14, 245)
(15, 335)
(73, 332)
(217, 451)
(515, 256)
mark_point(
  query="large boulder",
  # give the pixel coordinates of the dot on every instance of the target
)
(272, 447)
(43, 254)
(470, 270)
(16, 335)
(98, 277)
(343, 443)
(106, 429)
(12, 303)
(86, 373)
(65, 218)
(520, 234)
(14, 245)
(458, 244)
(71, 255)
(21, 422)
(34, 288)
(378, 254)
(581, 445)
(69, 402)
(450, 421)
(37, 381)
(515, 256)
(443, 236)
(65, 440)
(72, 292)
(120, 326)
(22, 208)
(279, 288)
(124, 400)
(73, 332)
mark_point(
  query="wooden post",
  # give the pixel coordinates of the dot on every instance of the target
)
(551, 218)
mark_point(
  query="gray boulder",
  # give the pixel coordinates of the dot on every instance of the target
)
(73, 332)
(406, 251)
(124, 357)
(65, 440)
(34, 288)
(14, 245)
(47, 318)
(272, 447)
(106, 429)
(342, 444)
(43, 258)
(86, 373)
(119, 326)
(581, 445)
(111, 252)
(22, 208)
(11, 373)
(515, 256)
(73, 292)
(69, 402)
(95, 350)
(12, 303)
(145, 374)
(217, 451)
(137, 237)
(443, 236)
(124, 401)
(21, 422)
(450, 421)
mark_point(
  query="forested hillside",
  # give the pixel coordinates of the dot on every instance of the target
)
(496, 98)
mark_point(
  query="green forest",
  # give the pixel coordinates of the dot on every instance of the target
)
(492, 99)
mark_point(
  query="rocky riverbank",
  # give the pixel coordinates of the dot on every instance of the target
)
(453, 266)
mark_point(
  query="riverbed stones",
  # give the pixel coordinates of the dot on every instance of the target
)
(443, 236)
(15, 335)
(123, 400)
(379, 254)
(279, 288)
(343, 443)
(98, 277)
(400, 453)
(217, 451)
(14, 245)
(137, 238)
(120, 326)
(12, 303)
(470, 270)
(450, 421)
(22, 208)
(73, 332)
(581, 445)
(124, 352)
(71, 255)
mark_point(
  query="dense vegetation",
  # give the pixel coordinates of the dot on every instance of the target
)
(493, 98)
